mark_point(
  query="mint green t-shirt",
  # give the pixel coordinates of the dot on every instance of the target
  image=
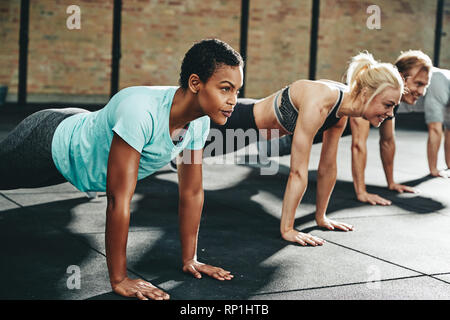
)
(140, 116)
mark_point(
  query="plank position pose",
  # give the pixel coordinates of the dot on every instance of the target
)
(436, 103)
(305, 108)
(437, 116)
(139, 131)
(415, 68)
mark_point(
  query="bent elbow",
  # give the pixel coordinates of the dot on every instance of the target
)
(298, 176)
(197, 195)
(358, 146)
(327, 170)
(111, 201)
(386, 143)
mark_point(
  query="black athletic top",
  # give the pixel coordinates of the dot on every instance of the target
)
(287, 114)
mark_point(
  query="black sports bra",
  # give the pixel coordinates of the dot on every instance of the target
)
(287, 114)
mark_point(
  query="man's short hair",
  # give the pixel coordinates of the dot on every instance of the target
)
(411, 59)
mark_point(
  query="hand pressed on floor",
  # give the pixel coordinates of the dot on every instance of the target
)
(373, 199)
(140, 289)
(302, 238)
(400, 188)
(333, 225)
(197, 268)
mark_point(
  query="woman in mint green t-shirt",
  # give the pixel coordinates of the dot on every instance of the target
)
(139, 131)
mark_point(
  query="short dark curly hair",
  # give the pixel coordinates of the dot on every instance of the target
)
(204, 57)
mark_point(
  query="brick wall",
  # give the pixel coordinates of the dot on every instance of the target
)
(343, 32)
(445, 40)
(9, 48)
(156, 34)
(75, 65)
(69, 62)
(278, 45)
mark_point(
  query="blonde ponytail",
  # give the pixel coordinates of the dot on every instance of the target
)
(365, 72)
(359, 63)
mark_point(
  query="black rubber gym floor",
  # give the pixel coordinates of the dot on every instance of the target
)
(396, 252)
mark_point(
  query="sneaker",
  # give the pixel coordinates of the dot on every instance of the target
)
(283, 144)
(173, 165)
(91, 194)
(445, 173)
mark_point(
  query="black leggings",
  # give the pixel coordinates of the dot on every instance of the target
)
(26, 153)
(241, 118)
(244, 119)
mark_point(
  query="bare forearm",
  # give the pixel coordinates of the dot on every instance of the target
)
(359, 158)
(387, 151)
(116, 235)
(190, 211)
(326, 179)
(295, 189)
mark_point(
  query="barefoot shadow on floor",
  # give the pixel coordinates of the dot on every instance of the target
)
(37, 249)
(236, 232)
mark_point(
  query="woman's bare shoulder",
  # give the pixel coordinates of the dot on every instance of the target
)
(314, 92)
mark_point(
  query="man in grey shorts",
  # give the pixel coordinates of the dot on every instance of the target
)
(436, 104)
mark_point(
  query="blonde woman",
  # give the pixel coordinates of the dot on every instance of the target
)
(305, 108)
(416, 69)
